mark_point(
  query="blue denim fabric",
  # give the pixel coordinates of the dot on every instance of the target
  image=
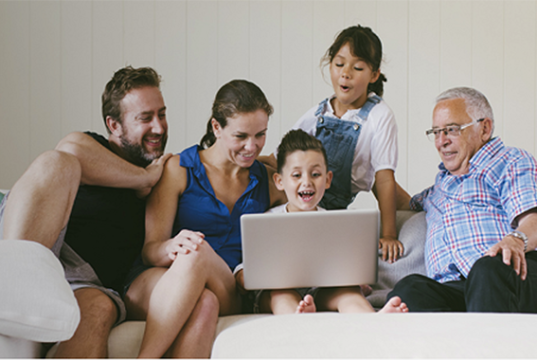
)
(339, 138)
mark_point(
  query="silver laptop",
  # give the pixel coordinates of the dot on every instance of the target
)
(313, 248)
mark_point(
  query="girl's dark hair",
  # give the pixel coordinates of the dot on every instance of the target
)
(296, 140)
(363, 43)
(235, 97)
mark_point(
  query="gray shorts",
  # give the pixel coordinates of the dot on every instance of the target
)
(78, 272)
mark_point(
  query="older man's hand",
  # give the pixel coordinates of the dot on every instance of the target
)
(512, 250)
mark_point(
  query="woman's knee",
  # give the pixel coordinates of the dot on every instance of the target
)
(195, 262)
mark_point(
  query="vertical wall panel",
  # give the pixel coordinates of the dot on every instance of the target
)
(424, 84)
(455, 44)
(202, 65)
(519, 74)
(488, 55)
(233, 41)
(107, 53)
(14, 91)
(392, 29)
(297, 52)
(58, 55)
(363, 12)
(76, 67)
(139, 33)
(265, 62)
(328, 21)
(170, 63)
(45, 76)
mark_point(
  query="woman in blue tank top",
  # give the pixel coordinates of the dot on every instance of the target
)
(192, 227)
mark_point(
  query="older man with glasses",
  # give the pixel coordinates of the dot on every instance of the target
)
(481, 216)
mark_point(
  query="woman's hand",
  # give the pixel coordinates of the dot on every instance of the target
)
(392, 249)
(183, 243)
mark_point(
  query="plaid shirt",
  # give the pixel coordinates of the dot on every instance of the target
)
(468, 214)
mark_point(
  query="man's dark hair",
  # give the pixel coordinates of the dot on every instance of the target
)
(123, 81)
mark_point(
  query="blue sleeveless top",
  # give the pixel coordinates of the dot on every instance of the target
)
(199, 209)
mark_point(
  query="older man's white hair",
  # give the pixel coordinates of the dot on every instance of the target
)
(477, 105)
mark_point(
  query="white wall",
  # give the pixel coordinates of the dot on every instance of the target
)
(56, 57)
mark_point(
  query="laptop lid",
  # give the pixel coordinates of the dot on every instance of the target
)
(312, 248)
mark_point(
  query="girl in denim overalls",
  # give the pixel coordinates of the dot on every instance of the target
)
(358, 130)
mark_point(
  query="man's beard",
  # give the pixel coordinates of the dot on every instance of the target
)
(137, 154)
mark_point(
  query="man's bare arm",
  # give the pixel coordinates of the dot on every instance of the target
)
(102, 167)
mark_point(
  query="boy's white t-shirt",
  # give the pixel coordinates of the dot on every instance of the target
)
(376, 148)
(283, 209)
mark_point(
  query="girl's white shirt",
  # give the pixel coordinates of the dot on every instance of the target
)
(376, 148)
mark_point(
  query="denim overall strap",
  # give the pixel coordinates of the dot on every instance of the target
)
(369, 104)
(339, 138)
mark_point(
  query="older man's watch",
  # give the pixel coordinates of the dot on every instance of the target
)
(520, 235)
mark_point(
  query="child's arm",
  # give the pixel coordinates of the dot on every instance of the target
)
(403, 198)
(386, 193)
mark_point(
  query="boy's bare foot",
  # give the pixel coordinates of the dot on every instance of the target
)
(307, 305)
(394, 305)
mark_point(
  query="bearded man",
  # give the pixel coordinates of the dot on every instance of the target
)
(85, 201)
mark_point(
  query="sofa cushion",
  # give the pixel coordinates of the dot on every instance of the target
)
(374, 336)
(11, 348)
(36, 302)
(126, 338)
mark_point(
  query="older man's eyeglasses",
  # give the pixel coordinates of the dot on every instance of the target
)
(449, 131)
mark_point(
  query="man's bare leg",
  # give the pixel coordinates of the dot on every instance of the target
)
(98, 313)
(39, 205)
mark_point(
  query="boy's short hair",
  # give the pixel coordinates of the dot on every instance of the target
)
(296, 140)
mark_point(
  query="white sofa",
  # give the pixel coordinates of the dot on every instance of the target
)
(321, 335)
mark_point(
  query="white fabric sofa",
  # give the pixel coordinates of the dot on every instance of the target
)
(321, 335)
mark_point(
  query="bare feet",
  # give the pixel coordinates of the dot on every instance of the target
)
(394, 305)
(307, 305)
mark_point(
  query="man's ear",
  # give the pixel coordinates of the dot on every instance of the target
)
(278, 181)
(114, 126)
(486, 129)
(329, 177)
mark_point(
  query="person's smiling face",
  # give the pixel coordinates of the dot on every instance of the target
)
(143, 130)
(243, 137)
(457, 151)
(304, 178)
